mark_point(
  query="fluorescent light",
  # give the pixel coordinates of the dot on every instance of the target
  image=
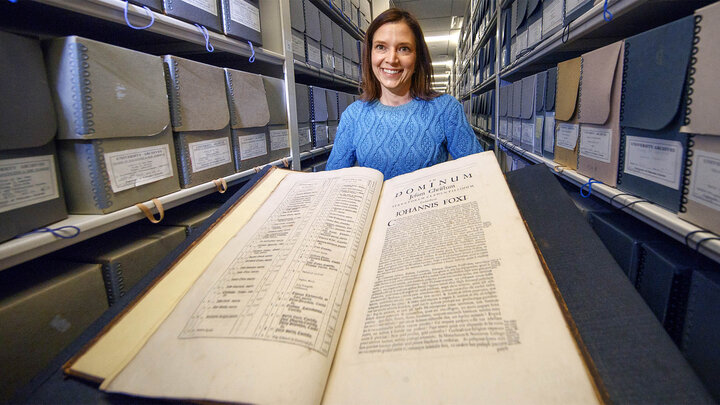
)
(438, 38)
(448, 63)
(441, 75)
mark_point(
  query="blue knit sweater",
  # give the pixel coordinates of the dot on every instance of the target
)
(402, 139)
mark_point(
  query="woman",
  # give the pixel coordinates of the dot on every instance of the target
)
(399, 124)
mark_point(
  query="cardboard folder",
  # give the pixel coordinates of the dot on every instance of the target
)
(539, 115)
(201, 121)
(701, 330)
(527, 113)
(31, 194)
(241, 19)
(279, 135)
(331, 98)
(599, 113)
(653, 151)
(318, 116)
(112, 115)
(701, 200)
(302, 103)
(566, 101)
(206, 13)
(249, 117)
(553, 12)
(44, 305)
(549, 125)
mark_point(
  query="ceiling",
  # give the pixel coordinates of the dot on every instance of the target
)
(436, 18)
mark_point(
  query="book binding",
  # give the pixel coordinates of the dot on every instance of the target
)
(687, 173)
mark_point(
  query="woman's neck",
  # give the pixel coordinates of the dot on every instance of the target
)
(393, 100)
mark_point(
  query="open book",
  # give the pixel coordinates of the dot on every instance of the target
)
(337, 287)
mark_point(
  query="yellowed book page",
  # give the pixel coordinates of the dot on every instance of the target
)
(451, 304)
(115, 348)
(262, 322)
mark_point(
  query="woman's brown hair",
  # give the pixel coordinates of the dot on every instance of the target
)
(420, 86)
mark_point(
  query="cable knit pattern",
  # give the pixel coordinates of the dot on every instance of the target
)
(397, 140)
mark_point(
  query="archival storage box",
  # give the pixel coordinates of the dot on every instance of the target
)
(200, 120)
(115, 144)
(278, 129)
(31, 195)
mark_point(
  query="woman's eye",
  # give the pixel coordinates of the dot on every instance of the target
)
(404, 49)
(379, 47)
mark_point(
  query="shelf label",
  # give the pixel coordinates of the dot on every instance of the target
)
(208, 154)
(705, 187)
(596, 143)
(279, 139)
(656, 160)
(549, 138)
(567, 135)
(209, 6)
(552, 15)
(252, 146)
(135, 167)
(245, 14)
(27, 181)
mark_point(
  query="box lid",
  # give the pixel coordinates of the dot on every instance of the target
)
(326, 31)
(275, 93)
(540, 91)
(550, 85)
(312, 21)
(198, 100)
(302, 101)
(105, 91)
(27, 113)
(568, 83)
(596, 83)
(247, 99)
(297, 15)
(331, 98)
(319, 106)
(529, 85)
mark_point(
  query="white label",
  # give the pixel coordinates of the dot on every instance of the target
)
(522, 41)
(528, 133)
(208, 154)
(656, 160)
(347, 67)
(206, 5)
(305, 135)
(314, 54)
(567, 135)
(355, 72)
(328, 60)
(27, 181)
(252, 146)
(298, 46)
(134, 167)
(595, 143)
(705, 184)
(549, 139)
(517, 132)
(503, 128)
(571, 5)
(535, 32)
(278, 139)
(552, 15)
(245, 14)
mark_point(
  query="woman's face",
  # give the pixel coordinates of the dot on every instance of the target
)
(393, 58)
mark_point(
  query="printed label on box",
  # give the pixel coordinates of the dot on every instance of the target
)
(522, 41)
(705, 184)
(208, 154)
(328, 61)
(567, 135)
(656, 160)
(305, 136)
(245, 14)
(279, 139)
(347, 67)
(134, 167)
(552, 15)
(549, 136)
(27, 181)
(535, 32)
(517, 132)
(314, 54)
(252, 146)
(206, 5)
(595, 143)
(538, 132)
(298, 46)
(503, 128)
(528, 133)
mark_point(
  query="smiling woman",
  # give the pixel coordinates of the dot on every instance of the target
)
(399, 124)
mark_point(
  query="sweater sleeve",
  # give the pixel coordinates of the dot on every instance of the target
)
(461, 139)
(343, 151)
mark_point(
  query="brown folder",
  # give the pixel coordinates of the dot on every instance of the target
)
(568, 84)
(599, 113)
